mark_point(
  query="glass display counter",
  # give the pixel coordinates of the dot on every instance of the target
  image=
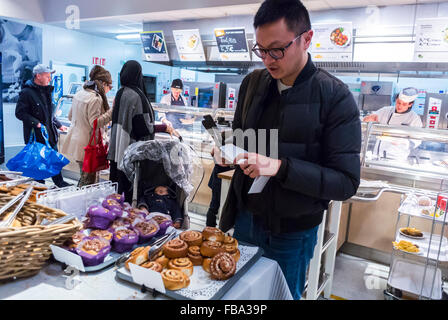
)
(396, 161)
(406, 156)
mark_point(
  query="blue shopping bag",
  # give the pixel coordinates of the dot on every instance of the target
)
(38, 161)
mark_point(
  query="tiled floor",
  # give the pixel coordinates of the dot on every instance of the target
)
(359, 279)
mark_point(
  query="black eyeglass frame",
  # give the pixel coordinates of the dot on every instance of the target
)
(257, 51)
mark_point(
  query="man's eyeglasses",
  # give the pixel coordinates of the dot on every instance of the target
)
(275, 53)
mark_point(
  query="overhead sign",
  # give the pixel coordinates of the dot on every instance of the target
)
(431, 42)
(332, 42)
(154, 46)
(232, 44)
(189, 45)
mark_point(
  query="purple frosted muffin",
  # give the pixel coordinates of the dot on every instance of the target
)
(111, 204)
(124, 239)
(164, 223)
(93, 250)
(117, 197)
(146, 229)
(99, 217)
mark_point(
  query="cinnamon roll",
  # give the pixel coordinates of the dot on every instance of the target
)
(211, 248)
(191, 237)
(153, 266)
(206, 264)
(233, 251)
(161, 259)
(222, 266)
(230, 240)
(175, 248)
(174, 279)
(182, 264)
(213, 234)
(194, 254)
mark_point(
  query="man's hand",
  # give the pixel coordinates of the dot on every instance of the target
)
(39, 125)
(256, 165)
(219, 160)
(371, 118)
(63, 128)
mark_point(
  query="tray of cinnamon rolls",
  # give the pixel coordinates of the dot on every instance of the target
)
(198, 265)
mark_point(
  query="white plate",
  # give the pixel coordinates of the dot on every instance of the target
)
(416, 253)
(412, 237)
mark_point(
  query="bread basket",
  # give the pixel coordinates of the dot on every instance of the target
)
(25, 247)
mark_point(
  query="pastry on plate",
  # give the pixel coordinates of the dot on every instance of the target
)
(183, 264)
(138, 256)
(211, 248)
(413, 232)
(213, 234)
(175, 248)
(174, 279)
(222, 266)
(191, 237)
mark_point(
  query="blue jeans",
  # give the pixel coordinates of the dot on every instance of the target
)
(292, 251)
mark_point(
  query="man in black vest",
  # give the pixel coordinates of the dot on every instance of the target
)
(35, 108)
(311, 126)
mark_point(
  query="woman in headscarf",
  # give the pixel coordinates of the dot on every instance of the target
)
(89, 104)
(132, 120)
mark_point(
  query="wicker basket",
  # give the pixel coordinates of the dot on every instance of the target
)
(24, 250)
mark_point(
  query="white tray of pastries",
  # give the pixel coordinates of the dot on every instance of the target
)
(196, 265)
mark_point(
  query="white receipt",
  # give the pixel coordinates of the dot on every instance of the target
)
(230, 152)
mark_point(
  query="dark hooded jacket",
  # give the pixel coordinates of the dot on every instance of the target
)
(132, 115)
(35, 106)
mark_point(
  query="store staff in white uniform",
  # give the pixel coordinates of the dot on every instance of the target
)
(176, 98)
(400, 114)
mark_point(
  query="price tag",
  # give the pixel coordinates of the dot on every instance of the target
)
(67, 257)
(149, 278)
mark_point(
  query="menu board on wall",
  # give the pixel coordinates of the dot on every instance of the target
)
(189, 45)
(431, 41)
(154, 46)
(232, 44)
(332, 42)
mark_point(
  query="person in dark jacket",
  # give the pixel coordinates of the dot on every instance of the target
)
(133, 120)
(35, 108)
(161, 199)
(310, 123)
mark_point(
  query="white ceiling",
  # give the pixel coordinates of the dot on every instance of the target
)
(110, 26)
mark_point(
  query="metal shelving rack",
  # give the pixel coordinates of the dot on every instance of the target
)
(417, 276)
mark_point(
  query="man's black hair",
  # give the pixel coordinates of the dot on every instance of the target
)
(293, 11)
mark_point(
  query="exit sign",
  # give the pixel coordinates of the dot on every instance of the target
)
(99, 61)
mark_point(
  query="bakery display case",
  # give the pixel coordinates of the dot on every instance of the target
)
(405, 156)
(397, 163)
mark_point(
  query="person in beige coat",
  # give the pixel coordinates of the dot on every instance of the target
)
(88, 104)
